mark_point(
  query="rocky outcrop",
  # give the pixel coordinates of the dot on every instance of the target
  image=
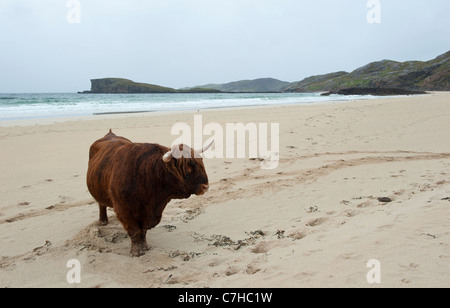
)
(120, 85)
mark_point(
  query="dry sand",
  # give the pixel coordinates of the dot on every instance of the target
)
(315, 221)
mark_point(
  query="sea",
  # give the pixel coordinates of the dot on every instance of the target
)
(18, 106)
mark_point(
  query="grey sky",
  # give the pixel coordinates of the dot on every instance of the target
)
(179, 43)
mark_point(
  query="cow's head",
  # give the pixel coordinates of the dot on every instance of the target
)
(186, 165)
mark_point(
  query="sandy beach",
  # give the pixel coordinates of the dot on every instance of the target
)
(314, 221)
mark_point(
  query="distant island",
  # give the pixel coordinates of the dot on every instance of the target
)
(384, 77)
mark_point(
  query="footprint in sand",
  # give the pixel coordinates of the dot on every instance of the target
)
(413, 265)
(296, 234)
(316, 221)
(311, 252)
(364, 204)
(262, 247)
(304, 276)
(350, 256)
(232, 270)
(385, 227)
(350, 213)
(251, 269)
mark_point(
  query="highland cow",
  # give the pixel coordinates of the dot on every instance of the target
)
(139, 179)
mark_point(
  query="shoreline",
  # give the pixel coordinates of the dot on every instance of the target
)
(42, 120)
(314, 221)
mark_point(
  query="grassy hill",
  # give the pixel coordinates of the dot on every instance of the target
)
(433, 75)
(257, 85)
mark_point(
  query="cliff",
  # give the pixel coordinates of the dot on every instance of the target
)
(433, 75)
(120, 85)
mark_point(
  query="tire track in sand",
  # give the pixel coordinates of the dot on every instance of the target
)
(245, 184)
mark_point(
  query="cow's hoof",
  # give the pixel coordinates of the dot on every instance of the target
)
(102, 222)
(137, 251)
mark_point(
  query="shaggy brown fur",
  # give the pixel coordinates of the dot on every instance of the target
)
(133, 179)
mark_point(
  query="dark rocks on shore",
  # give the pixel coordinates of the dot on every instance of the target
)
(373, 91)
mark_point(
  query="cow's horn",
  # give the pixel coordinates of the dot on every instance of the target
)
(199, 152)
(167, 157)
(208, 146)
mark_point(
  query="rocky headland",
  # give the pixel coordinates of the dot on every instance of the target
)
(121, 85)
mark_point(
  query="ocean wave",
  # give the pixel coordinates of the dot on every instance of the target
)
(23, 106)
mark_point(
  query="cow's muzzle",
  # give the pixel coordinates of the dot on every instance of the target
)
(203, 189)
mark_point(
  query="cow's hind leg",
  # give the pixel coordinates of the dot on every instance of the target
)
(103, 217)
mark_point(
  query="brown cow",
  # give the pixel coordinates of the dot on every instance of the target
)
(139, 179)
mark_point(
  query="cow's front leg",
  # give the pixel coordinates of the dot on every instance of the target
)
(138, 242)
(143, 240)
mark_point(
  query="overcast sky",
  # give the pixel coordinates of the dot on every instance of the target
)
(179, 43)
